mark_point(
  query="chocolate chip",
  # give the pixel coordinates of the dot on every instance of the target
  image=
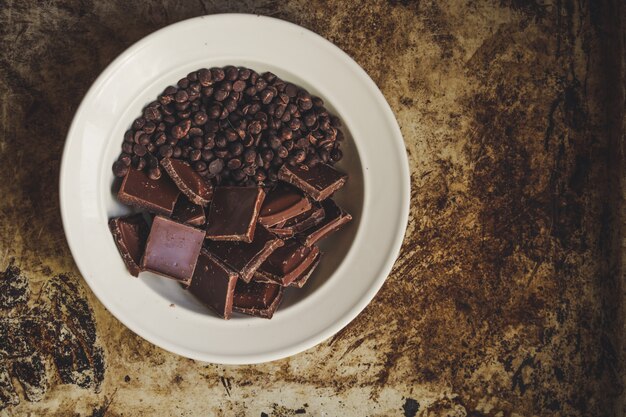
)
(216, 166)
(282, 152)
(249, 155)
(120, 168)
(181, 96)
(234, 163)
(195, 155)
(166, 151)
(154, 173)
(197, 142)
(336, 155)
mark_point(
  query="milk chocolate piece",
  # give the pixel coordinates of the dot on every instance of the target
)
(319, 181)
(187, 212)
(334, 219)
(130, 234)
(195, 187)
(213, 283)
(282, 203)
(157, 196)
(302, 279)
(299, 224)
(172, 249)
(234, 213)
(287, 263)
(245, 258)
(257, 298)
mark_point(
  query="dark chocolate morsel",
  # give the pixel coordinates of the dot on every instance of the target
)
(155, 195)
(130, 234)
(234, 213)
(213, 283)
(172, 249)
(319, 181)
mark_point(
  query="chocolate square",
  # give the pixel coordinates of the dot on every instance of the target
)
(334, 219)
(156, 196)
(302, 279)
(130, 234)
(245, 258)
(189, 182)
(281, 204)
(311, 218)
(213, 283)
(257, 298)
(287, 263)
(187, 212)
(319, 181)
(172, 249)
(234, 213)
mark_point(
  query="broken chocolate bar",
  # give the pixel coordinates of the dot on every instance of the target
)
(157, 196)
(234, 213)
(245, 258)
(281, 204)
(302, 279)
(213, 283)
(257, 298)
(187, 212)
(299, 224)
(334, 219)
(196, 188)
(287, 263)
(319, 181)
(130, 234)
(172, 249)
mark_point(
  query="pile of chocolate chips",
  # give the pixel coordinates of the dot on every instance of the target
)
(235, 248)
(233, 126)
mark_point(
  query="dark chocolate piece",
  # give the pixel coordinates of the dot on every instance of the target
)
(187, 212)
(334, 219)
(282, 203)
(130, 234)
(257, 298)
(319, 181)
(157, 196)
(287, 263)
(172, 249)
(234, 213)
(213, 283)
(301, 223)
(245, 258)
(194, 186)
(302, 279)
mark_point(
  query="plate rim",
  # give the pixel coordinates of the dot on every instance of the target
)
(384, 268)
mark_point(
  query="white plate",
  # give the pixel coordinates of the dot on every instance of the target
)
(357, 259)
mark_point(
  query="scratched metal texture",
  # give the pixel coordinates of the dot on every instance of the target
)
(507, 297)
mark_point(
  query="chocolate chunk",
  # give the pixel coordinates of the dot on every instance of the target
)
(213, 283)
(302, 279)
(130, 234)
(234, 213)
(282, 203)
(187, 212)
(196, 188)
(334, 219)
(319, 181)
(245, 258)
(157, 196)
(287, 263)
(311, 218)
(257, 298)
(172, 249)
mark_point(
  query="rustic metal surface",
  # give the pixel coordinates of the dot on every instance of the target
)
(507, 297)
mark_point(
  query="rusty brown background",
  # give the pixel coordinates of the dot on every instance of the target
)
(507, 297)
